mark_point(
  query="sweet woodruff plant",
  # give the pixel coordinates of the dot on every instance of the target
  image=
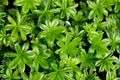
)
(60, 39)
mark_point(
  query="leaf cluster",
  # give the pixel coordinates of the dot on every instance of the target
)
(59, 39)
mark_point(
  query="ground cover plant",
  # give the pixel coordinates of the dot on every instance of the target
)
(59, 39)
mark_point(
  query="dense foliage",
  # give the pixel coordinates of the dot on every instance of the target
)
(59, 39)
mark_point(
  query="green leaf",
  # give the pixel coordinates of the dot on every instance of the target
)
(27, 29)
(10, 54)
(116, 8)
(9, 27)
(2, 22)
(108, 76)
(13, 62)
(91, 14)
(54, 66)
(11, 20)
(60, 43)
(9, 73)
(36, 76)
(25, 8)
(91, 4)
(14, 35)
(5, 2)
(25, 46)
(12, 11)
(21, 66)
(44, 63)
(22, 33)
(16, 75)
(27, 60)
(17, 48)
(24, 75)
(2, 15)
